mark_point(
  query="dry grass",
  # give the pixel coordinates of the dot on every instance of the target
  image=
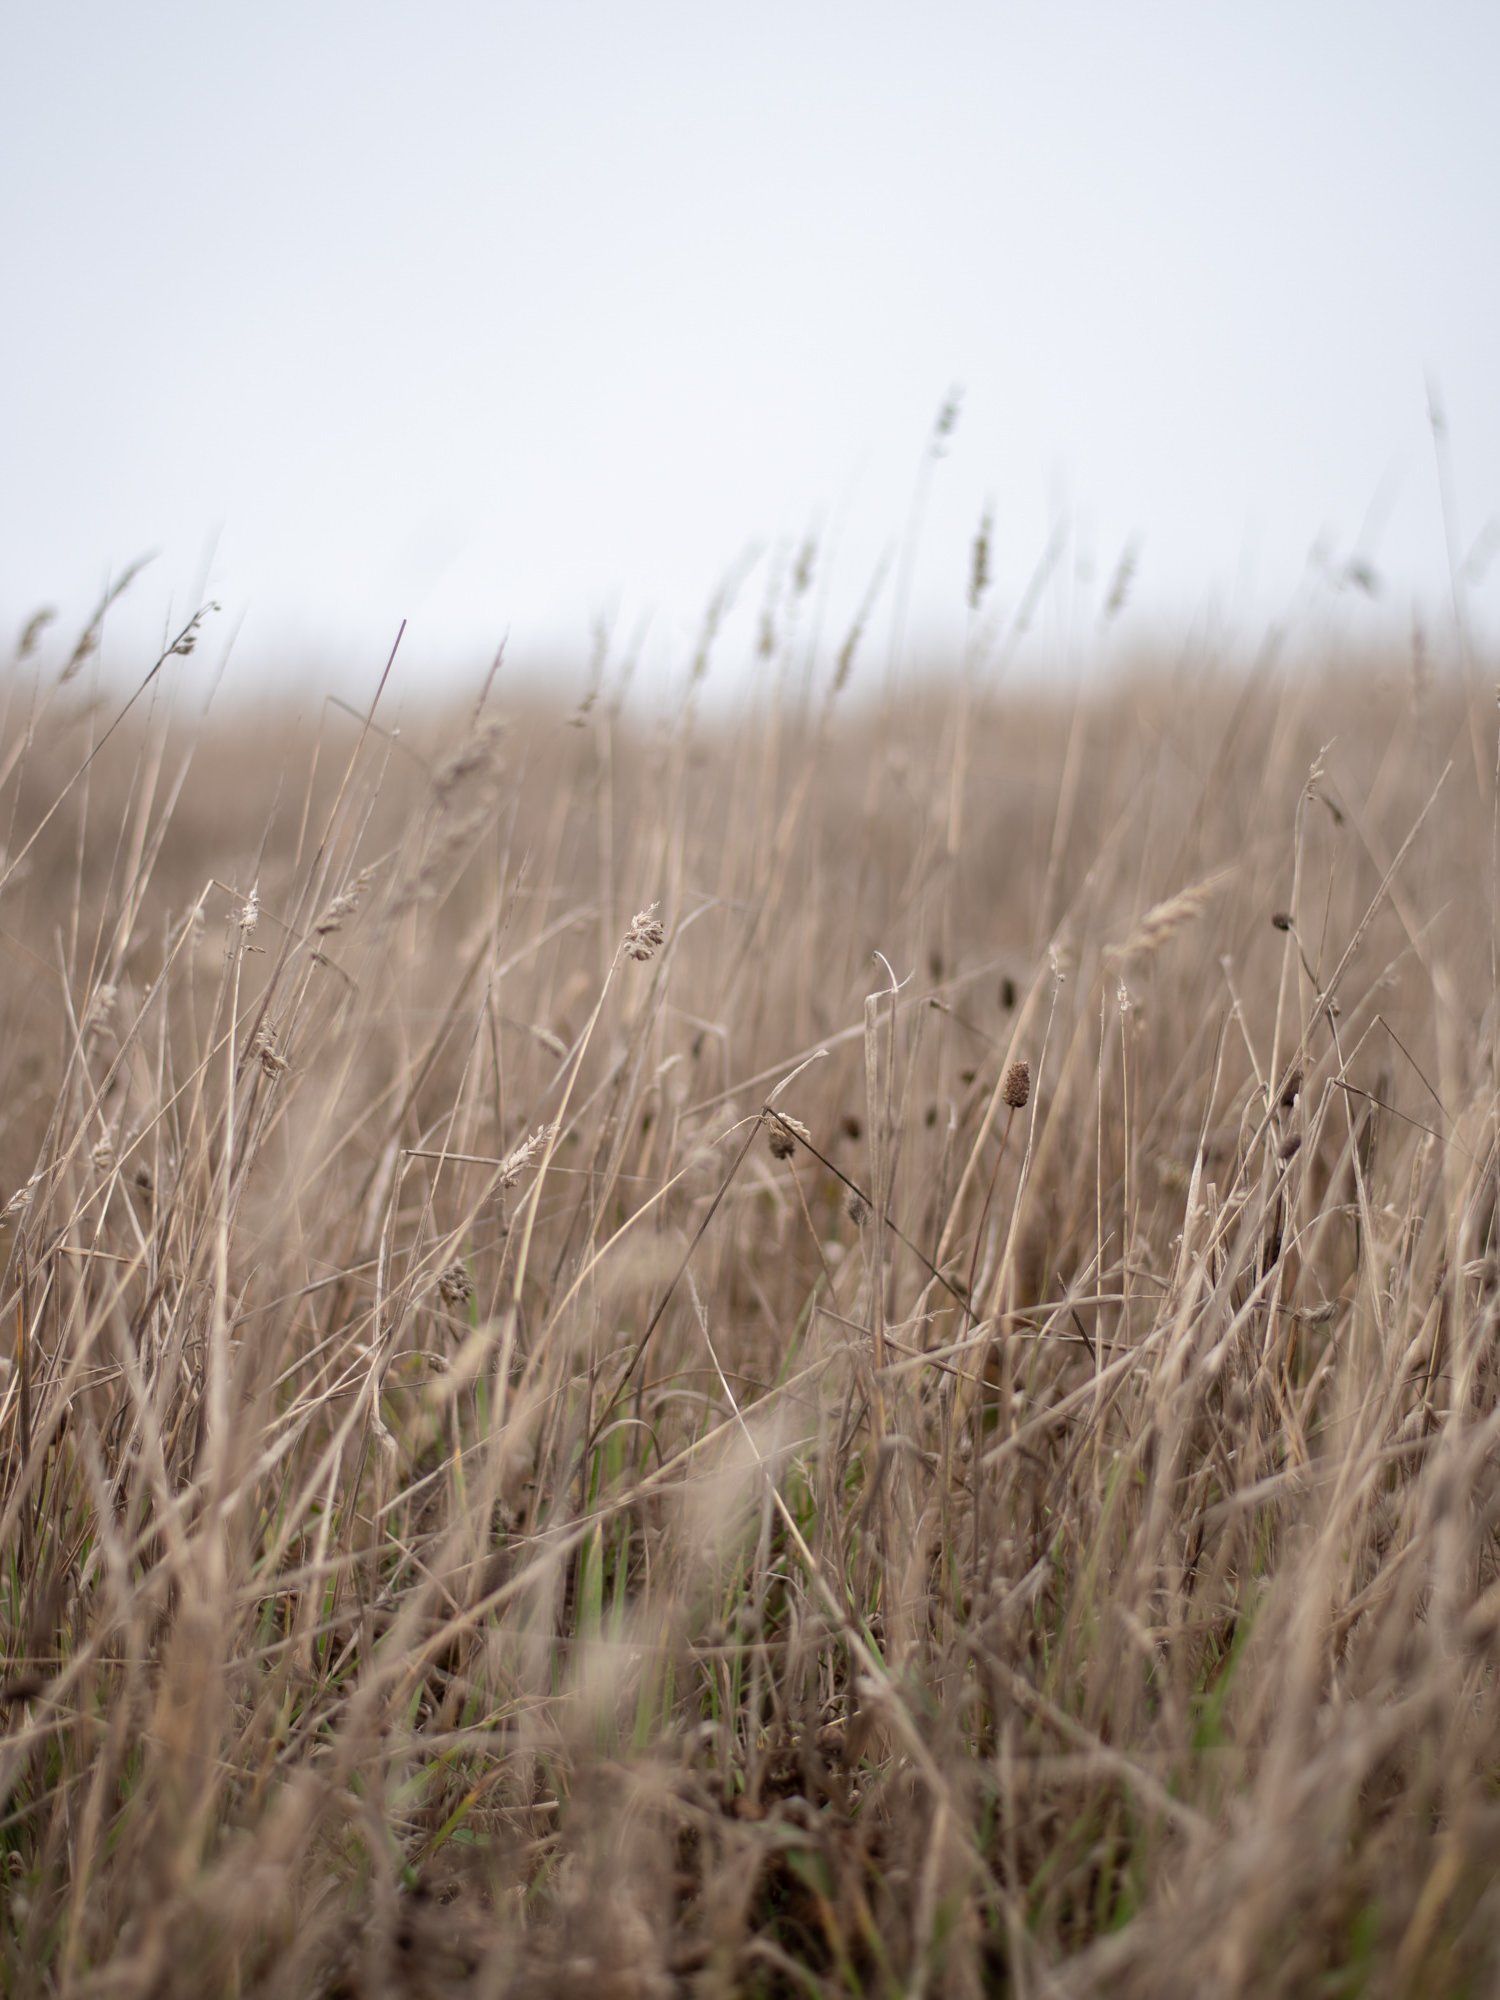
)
(506, 1494)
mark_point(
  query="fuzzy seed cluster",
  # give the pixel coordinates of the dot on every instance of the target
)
(782, 1142)
(1016, 1088)
(646, 935)
(455, 1286)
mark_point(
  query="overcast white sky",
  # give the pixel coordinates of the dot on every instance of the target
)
(512, 317)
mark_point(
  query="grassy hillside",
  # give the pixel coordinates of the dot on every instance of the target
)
(850, 1356)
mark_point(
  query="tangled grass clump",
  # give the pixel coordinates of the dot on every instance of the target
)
(475, 1522)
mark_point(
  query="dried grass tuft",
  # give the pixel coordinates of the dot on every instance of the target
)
(1082, 1582)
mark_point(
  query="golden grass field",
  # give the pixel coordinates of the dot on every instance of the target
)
(541, 1462)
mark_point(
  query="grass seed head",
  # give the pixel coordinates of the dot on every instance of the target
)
(979, 565)
(32, 631)
(1163, 920)
(273, 1063)
(477, 756)
(781, 1141)
(21, 1199)
(646, 935)
(521, 1157)
(1016, 1088)
(455, 1286)
(344, 905)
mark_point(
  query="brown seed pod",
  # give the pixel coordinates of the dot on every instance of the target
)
(455, 1286)
(781, 1141)
(646, 935)
(1016, 1088)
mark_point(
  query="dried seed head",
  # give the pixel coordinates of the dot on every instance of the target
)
(21, 1199)
(646, 935)
(1016, 1088)
(465, 794)
(103, 1005)
(781, 1140)
(947, 417)
(190, 634)
(103, 1155)
(476, 756)
(337, 913)
(1120, 583)
(344, 905)
(1163, 920)
(979, 568)
(521, 1157)
(266, 1053)
(32, 631)
(455, 1286)
(88, 644)
(250, 915)
(858, 1208)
